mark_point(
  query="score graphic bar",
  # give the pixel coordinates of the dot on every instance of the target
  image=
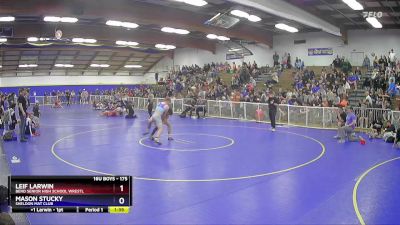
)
(78, 194)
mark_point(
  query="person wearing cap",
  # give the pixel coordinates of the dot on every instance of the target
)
(348, 129)
(272, 108)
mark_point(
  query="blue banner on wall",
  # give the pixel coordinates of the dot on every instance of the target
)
(320, 51)
(6, 32)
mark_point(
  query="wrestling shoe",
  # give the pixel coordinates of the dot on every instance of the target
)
(170, 139)
(157, 141)
(273, 130)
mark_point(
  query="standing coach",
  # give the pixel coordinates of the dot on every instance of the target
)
(272, 108)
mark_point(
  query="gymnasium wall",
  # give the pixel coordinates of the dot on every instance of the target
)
(40, 90)
(49, 83)
(188, 56)
(162, 68)
(360, 42)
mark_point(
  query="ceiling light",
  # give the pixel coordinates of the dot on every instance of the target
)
(126, 43)
(32, 39)
(129, 25)
(2, 40)
(240, 13)
(165, 47)
(181, 31)
(52, 19)
(194, 2)
(287, 28)
(170, 47)
(1, 66)
(27, 65)
(83, 40)
(254, 18)
(69, 19)
(117, 23)
(223, 38)
(212, 36)
(90, 41)
(132, 43)
(100, 65)
(7, 19)
(168, 29)
(113, 23)
(60, 19)
(354, 4)
(374, 22)
(121, 42)
(133, 66)
(174, 30)
(78, 40)
(64, 65)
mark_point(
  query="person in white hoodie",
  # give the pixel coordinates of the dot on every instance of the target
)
(392, 58)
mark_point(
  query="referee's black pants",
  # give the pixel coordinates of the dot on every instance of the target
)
(272, 115)
(150, 109)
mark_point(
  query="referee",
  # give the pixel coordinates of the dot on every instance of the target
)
(272, 107)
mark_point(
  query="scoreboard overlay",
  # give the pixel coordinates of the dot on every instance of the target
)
(70, 194)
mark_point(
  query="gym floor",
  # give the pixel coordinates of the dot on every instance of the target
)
(216, 171)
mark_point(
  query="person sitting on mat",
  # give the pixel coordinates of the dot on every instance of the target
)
(30, 128)
(189, 108)
(130, 110)
(36, 110)
(57, 104)
(389, 134)
(347, 131)
(396, 142)
(118, 111)
(376, 128)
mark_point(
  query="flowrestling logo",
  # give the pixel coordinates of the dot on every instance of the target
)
(372, 14)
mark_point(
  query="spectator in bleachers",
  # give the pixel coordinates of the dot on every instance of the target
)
(289, 61)
(275, 57)
(391, 91)
(366, 62)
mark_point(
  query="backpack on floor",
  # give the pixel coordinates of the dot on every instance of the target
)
(5, 219)
(8, 136)
(390, 139)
